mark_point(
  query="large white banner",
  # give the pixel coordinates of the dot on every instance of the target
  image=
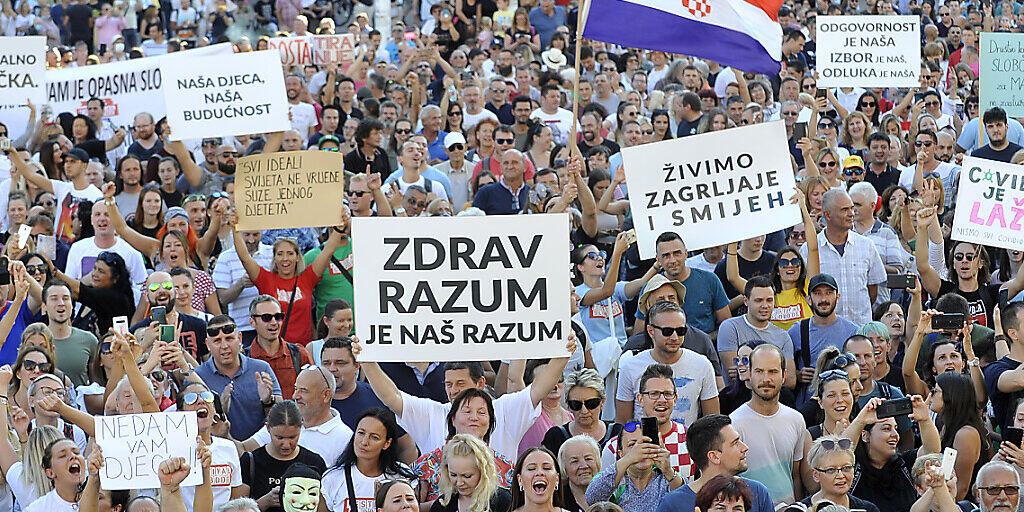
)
(318, 50)
(134, 445)
(868, 51)
(461, 289)
(990, 204)
(218, 96)
(712, 189)
(22, 68)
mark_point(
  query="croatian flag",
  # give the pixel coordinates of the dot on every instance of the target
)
(744, 34)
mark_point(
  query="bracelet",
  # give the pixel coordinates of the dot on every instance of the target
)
(1000, 337)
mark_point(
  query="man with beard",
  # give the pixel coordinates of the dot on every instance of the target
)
(522, 107)
(997, 487)
(323, 432)
(286, 359)
(694, 376)
(303, 115)
(505, 68)
(759, 299)
(195, 179)
(146, 142)
(330, 120)
(83, 253)
(73, 348)
(590, 125)
(824, 329)
(774, 433)
(368, 154)
(944, 150)
(68, 193)
(999, 147)
(159, 291)
(716, 449)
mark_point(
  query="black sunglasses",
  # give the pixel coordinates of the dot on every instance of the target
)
(266, 317)
(226, 329)
(32, 365)
(590, 404)
(667, 331)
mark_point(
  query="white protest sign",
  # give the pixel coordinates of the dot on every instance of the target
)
(22, 68)
(134, 445)
(225, 95)
(318, 50)
(710, 189)
(868, 51)
(990, 204)
(462, 289)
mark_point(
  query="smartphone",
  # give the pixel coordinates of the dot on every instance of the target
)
(820, 93)
(631, 236)
(5, 272)
(5, 144)
(894, 407)
(218, 407)
(918, 96)
(24, 231)
(1003, 297)
(1014, 435)
(47, 246)
(948, 462)
(159, 314)
(959, 109)
(948, 322)
(649, 428)
(121, 324)
(799, 131)
(900, 281)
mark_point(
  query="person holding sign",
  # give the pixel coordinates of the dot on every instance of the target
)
(227, 479)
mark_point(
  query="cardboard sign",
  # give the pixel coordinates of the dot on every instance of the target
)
(318, 50)
(462, 289)
(709, 189)
(1001, 61)
(990, 204)
(23, 65)
(868, 51)
(294, 189)
(225, 95)
(134, 445)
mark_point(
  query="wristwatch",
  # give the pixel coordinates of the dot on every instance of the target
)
(976, 362)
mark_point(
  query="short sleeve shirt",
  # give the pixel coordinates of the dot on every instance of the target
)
(300, 327)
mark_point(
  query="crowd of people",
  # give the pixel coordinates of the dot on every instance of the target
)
(827, 366)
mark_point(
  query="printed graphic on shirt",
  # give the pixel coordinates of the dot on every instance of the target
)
(345, 263)
(220, 475)
(363, 505)
(601, 310)
(978, 313)
(787, 313)
(683, 404)
(284, 296)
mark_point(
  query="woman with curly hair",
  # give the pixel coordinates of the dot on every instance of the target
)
(468, 481)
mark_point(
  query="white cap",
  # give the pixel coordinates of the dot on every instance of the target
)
(454, 138)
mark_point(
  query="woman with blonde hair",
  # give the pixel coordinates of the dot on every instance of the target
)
(466, 459)
(832, 463)
(855, 133)
(584, 396)
(826, 164)
(24, 474)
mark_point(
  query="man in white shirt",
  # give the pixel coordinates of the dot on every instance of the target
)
(234, 287)
(303, 114)
(551, 114)
(927, 165)
(424, 419)
(409, 160)
(68, 194)
(474, 111)
(105, 129)
(83, 253)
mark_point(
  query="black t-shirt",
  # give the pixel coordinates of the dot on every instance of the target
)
(688, 127)
(855, 504)
(559, 434)
(96, 149)
(267, 471)
(610, 144)
(193, 334)
(355, 161)
(890, 485)
(172, 199)
(78, 20)
(1001, 402)
(760, 267)
(265, 8)
(501, 501)
(889, 177)
(980, 302)
(1004, 155)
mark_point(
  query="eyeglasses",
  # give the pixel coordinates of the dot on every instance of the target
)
(832, 471)
(667, 331)
(598, 255)
(214, 331)
(321, 370)
(590, 404)
(267, 317)
(843, 361)
(843, 444)
(36, 269)
(358, 193)
(166, 285)
(1010, 490)
(32, 365)
(925, 143)
(659, 395)
(961, 256)
(745, 360)
(192, 397)
(505, 142)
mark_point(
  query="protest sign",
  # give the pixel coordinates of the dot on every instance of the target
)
(225, 95)
(134, 445)
(709, 189)
(22, 68)
(868, 51)
(294, 189)
(990, 204)
(466, 289)
(1001, 61)
(318, 50)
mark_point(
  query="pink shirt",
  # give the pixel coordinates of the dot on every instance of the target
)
(107, 27)
(535, 435)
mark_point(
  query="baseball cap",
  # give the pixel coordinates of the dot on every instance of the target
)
(853, 161)
(454, 138)
(78, 154)
(823, 279)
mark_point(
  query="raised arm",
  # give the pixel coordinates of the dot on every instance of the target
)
(588, 207)
(144, 244)
(140, 383)
(251, 267)
(930, 440)
(732, 267)
(8, 453)
(930, 280)
(90, 498)
(865, 417)
(813, 261)
(193, 174)
(595, 295)
(84, 420)
(549, 376)
(11, 315)
(373, 182)
(914, 384)
(171, 473)
(382, 385)
(41, 182)
(606, 204)
(115, 141)
(321, 261)
(634, 287)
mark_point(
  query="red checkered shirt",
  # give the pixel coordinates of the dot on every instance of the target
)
(675, 443)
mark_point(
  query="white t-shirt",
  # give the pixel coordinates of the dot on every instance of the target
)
(303, 117)
(24, 494)
(560, 123)
(51, 502)
(225, 471)
(471, 120)
(327, 439)
(84, 252)
(514, 414)
(774, 444)
(6, 497)
(335, 489)
(67, 202)
(693, 375)
(435, 186)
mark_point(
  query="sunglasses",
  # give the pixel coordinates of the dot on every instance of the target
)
(194, 197)
(358, 193)
(226, 329)
(790, 262)
(667, 331)
(158, 375)
(631, 426)
(745, 360)
(456, 147)
(455, 113)
(505, 141)
(826, 126)
(36, 269)
(925, 143)
(833, 375)
(166, 285)
(597, 256)
(649, 132)
(931, 104)
(32, 365)
(403, 130)
(961, 256)
(843, 361)
(1010, 490)
(192, 397)
(267, 317)
(828, 164)
(590, 404)
(334, 149)
(868, 104)
(853, 171)
(321, 370)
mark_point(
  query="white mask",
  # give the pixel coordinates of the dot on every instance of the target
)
(118, 47)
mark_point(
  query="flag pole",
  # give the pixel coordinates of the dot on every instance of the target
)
(580, 25)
